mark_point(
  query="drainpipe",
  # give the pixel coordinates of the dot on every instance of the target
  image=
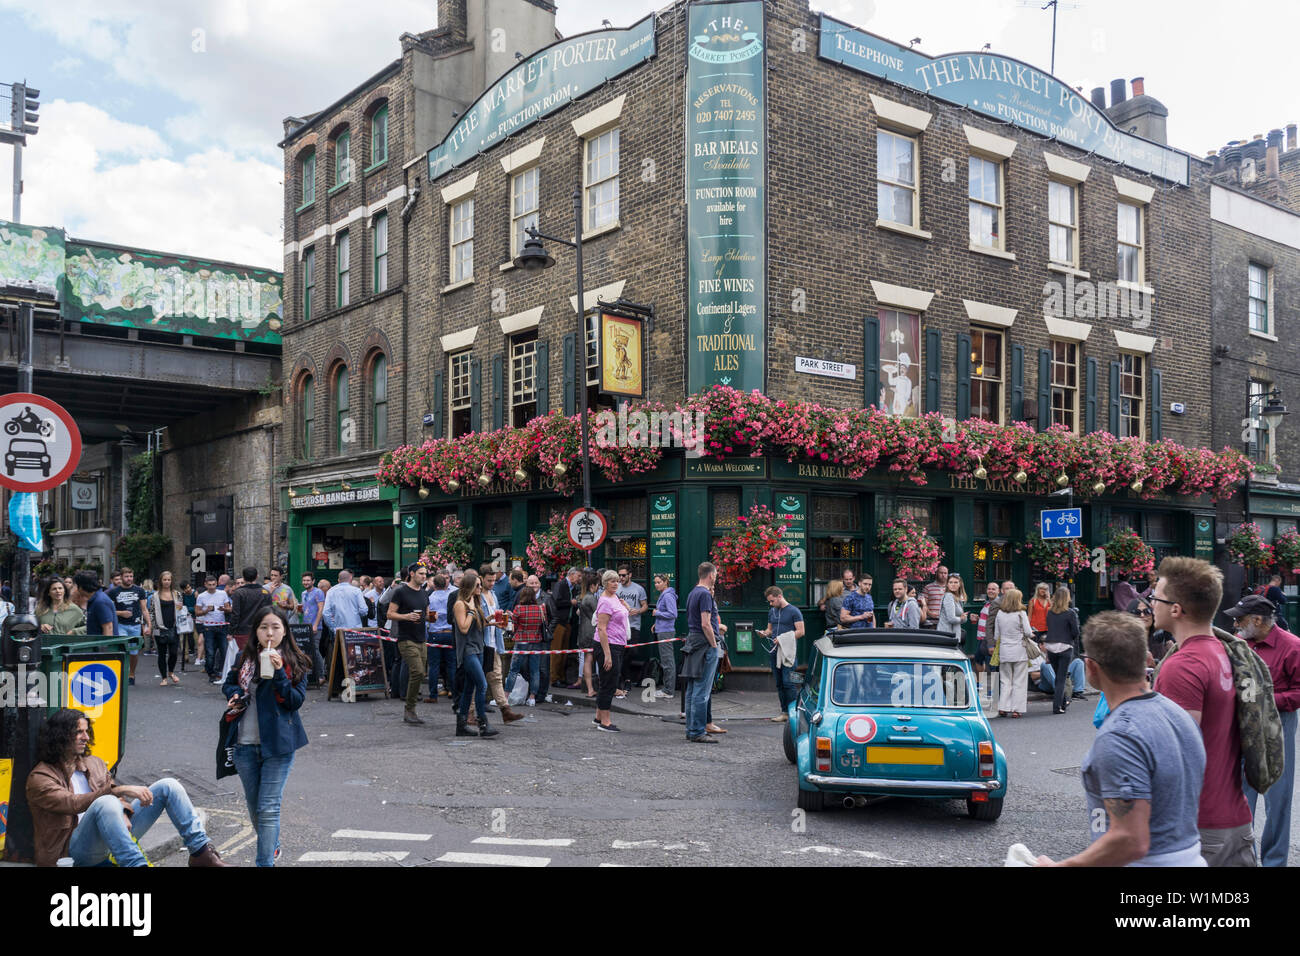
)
(406, 324)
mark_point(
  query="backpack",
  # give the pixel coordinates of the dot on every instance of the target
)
(1259, 724)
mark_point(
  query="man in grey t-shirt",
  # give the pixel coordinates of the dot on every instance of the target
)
(1147, 754)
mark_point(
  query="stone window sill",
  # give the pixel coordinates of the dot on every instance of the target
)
(1261, 335)
(457, 285)
(905, 230)
(996, 253)
(601, 230)
(1068, 270)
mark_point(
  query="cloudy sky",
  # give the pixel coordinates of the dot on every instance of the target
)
(159, 118)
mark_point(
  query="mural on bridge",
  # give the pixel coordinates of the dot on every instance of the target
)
(111, 285)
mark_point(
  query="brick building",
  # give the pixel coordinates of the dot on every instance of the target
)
(915, 236)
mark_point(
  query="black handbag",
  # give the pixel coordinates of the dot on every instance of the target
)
(225, 749)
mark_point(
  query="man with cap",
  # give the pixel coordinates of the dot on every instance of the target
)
(1280, 651)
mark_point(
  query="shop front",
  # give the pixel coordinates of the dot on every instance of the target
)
(337, 527)
(1275, 507)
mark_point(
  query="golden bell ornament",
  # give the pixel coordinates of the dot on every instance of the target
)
(424, 492)
(1062, 480)
(560, 469)
(981, 473)
(485, 479)
(453, 486)
(521, 475)
(1098, 487)
(1020, 477)
(1137, 485)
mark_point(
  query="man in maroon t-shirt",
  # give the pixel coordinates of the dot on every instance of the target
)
(1198, 677)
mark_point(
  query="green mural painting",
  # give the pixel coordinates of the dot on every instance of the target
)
(31, 254)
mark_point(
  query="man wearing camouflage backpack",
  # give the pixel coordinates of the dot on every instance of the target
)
(1226, 689)
(1280, 650)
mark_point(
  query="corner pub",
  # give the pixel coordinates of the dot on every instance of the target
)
(827, 225)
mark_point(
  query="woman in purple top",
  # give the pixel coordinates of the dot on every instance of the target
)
(611, 630)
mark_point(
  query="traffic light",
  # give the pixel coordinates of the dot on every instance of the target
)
(26, 103)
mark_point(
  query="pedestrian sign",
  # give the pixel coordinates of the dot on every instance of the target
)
(587, 528)
(1061, 524)
(94, 683)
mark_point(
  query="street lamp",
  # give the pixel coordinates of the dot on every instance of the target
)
(1274, 411)
(534, 258)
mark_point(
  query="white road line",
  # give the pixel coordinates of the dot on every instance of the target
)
(511, 841)
(377, 835)
(494, 859)
(353, 856)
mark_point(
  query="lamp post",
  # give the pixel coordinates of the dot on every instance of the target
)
(1270, 411)
(534, 258)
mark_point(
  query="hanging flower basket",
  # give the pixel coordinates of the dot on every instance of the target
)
(1246, 547)
(451, 546)
(1286, 551)
(1128, 554)
(908, 547)
(549, 551)
(1055, 560)
(755, 543)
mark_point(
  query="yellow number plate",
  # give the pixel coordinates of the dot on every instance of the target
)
(931, 756)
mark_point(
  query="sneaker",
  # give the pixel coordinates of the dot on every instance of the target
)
(660, 695)
(568, 703)
(491, 702)
(704, 739)
(549, 699)
(611, 729)
(130, 681)
(532, 702)
(217, 680)
(596, 721)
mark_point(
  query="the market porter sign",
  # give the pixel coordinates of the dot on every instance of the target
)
(726, 119)
(1003, 89)
(540, 85)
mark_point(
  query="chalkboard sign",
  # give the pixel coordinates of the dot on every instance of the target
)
(359, 655)
(301, 634)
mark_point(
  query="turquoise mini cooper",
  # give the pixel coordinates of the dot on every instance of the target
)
(892, 712)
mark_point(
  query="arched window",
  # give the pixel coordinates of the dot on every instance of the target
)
(379, 135)
(307, 173)
(306, 414)
(379, 401)
(343, 158)
(343, 429)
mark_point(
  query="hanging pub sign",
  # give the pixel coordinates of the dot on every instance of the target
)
(726, 195)
(1003, 89)
(622, 356)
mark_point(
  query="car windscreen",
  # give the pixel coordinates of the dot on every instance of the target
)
(900, 684)
(27, 447)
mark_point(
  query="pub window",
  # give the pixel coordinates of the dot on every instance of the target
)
(1063, 218)
(523, 378)
(1129, 256)
(1272, 528)
(726, 511)
(1258, 299)
(836, 540)
(600, 180)
(496, 522)
(900, 363)
(985, 196)
(462, 240)
(992, 547)
(523, 208)
(924, 512)
(986, 374)
(1065, 385)
(458, 397)
(1131, 396)
(1159, 529)
(629, 537)
(897, 196)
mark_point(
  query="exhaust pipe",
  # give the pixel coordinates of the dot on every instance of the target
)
(850, 802)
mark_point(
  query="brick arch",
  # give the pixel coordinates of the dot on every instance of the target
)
(338, 130)
(338, 355)
(308, 145)
(377, 99)
(303, 368)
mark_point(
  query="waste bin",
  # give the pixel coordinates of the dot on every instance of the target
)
(85, 672)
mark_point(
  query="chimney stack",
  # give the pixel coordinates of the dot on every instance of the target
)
(1290, 136)
(1138, 86)
(1118, 92)
(1142, 114)
(1271, 156)
(1099, 97)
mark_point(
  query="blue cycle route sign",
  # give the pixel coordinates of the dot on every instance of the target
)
(94, 685)
(1061, 524)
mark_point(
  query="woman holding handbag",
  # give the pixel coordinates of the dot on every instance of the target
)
(166, 607)
(263, 691)
(1015, 637)
(1062, 634)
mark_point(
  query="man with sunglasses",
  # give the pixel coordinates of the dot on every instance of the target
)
(1159, 642)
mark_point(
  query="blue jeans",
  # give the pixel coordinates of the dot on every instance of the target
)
(699, 692)
(263, 779)
(130, 630)
(534, 664)
(214, 649)
(442, 659)
(475, 688)
(784, 690)
(1047, 676)
(1275, 840)
(103, 828)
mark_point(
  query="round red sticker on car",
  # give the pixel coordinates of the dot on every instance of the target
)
(860, 729)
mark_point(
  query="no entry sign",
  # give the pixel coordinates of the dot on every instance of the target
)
(40, 446)
(587, 529)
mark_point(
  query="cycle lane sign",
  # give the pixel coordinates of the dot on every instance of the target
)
(1061, 524)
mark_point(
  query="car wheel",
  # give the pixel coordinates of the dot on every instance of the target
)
(787, 741)
(987, 811)
(813, 801)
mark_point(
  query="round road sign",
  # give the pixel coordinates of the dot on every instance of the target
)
(587, 529)
(40, 447)
(860, 729)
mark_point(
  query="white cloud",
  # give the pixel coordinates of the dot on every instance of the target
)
(118, 182)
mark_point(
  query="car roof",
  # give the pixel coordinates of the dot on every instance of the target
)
(928, 652)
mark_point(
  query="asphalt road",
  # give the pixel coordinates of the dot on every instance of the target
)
(369, 790)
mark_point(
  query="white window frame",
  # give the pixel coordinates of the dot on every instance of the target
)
(1139, 362)
(1001, 378)
(343, 269)
(593, 181)
(307, 165)
(593, 348)
(1071, 228)
(381, 251)
(462, 399)
(1073, 389)
(523, 370)
(1140, 245)
(914, 187)
(460, 240)
(308, 282)
(979, 204)
(529, 215)
(1265, 302)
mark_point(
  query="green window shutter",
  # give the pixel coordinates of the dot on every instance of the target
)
(963, 377)
(497, 398)
(1114, 398)
(1044, 389)
(475, 394)
(1157, 407)
(871, 362)
(1090, 398)
(543, 378)
(1018, 383)
(570, 399)
(439, 396)
(931, 370)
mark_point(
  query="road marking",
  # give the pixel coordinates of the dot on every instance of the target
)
(839, 851)
(511, 841)
(621, 866)
(494, 859)
(353, 856)
(634, 844)
(377, 835)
